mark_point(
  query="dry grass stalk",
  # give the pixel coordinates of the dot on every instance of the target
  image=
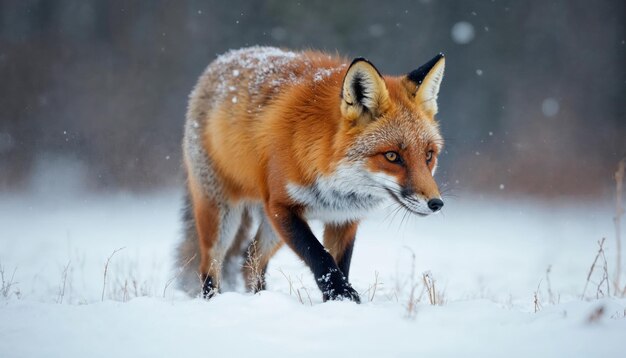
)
(299, 296)
(252, 268)
(374, 287)
(536, 301)
(619, 314)
(172, 279)
(412, 303)
(371, 290)
(63, 283)
(435, 297)
(288, 278)
(106, 269)
(7, 283)
(605, 279)
(135, 287)
(551, 297)
(305, 291)
(292, 289)
(605, 274)
(619, 212)
(125, 291)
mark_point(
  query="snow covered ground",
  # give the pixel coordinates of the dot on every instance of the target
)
(488, 258)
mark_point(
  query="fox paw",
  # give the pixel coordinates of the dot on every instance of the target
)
(344, 293)
(336, 287)
(208, 289)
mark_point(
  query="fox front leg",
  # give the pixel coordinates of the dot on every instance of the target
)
(339, 240)
(297, 234)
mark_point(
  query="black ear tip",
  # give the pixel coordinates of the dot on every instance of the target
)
(359, 59)
(363, 59)
(417, 76)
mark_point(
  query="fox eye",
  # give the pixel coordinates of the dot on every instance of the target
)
(429, 156)
(393, 157)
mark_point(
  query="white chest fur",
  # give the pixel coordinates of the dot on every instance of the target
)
(348, 194)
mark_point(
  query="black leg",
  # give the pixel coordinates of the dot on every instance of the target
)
(330, 279)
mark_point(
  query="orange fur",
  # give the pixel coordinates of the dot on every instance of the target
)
(267, 119)
(338, 237)
(242, 143)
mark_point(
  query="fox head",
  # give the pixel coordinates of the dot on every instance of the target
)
(392, 131)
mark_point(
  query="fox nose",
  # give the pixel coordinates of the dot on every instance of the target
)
(435, 204)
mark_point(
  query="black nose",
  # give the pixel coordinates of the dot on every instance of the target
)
(435, 204)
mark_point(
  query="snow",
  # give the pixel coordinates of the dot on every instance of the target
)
(323, 73)
(279, 33)
(377, 30)
(487, 257)
(462, 32)
(6, 142)
(550, 107)
(260, 62)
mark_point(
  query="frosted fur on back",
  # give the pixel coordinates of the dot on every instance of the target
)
(266, 70)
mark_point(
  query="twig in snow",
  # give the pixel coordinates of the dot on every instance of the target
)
(551, 297)
(296, 290)
(375, 286)
(106, 269)
(288, 278)
(536, 301)
(125, 291)
(605, 279)
(434, 297)
(7, 283)
(591, 269)
(63, 283)
(410, 307)
(172, 279)
(254, 275)
(305, 291)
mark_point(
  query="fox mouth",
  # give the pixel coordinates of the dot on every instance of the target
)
(403, 204)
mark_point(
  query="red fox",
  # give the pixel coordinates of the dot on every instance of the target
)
(274, 138)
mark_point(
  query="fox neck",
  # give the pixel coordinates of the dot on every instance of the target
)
(347, 194)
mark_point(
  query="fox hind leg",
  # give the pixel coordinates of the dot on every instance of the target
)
(216, 225)
(207, 219)
(229, 223)
(235, 258)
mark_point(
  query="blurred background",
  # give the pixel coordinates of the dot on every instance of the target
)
(93, 93)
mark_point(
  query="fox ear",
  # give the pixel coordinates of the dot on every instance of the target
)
(424, 83)
(364, 88)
